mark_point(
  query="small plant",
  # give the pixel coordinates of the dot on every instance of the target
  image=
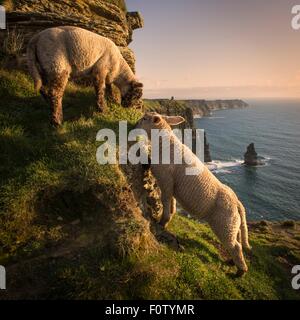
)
(13, 43)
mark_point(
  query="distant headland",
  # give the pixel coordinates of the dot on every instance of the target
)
(199, 108)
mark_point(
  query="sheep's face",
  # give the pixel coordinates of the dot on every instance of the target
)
(133, 94)
(153, 120)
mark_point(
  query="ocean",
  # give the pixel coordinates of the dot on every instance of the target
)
(272, 191)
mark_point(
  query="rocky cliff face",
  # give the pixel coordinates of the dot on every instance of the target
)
(190, 108)
(108, 18)
(205, 107)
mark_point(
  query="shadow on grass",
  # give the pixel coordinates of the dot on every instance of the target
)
(92, 273)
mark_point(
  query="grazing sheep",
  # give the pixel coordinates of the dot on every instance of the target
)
(56, 54)
(202, 195)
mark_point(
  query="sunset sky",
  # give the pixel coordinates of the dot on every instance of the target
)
(217, 48)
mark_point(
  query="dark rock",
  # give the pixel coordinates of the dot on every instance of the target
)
(288, 224)
(207, 156)
(135, 20)
(250, 157)
(264, 223)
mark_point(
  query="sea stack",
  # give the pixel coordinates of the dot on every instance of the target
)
(207, 156)
(250, 157)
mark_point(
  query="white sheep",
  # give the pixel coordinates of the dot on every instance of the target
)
(56, 54)
(201, 195)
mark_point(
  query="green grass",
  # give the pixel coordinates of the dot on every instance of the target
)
(195, 273)
(50, 178)
(37, 161)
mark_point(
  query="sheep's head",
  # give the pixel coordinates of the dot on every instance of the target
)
(133, 94)
(153, 120)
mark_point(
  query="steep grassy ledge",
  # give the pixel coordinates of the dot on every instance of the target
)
(70, 228)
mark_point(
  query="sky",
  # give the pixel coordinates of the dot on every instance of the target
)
(214, 49)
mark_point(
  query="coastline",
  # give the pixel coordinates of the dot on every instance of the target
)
(199, 107)
(191, 109)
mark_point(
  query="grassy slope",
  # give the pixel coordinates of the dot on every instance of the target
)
(46, 259)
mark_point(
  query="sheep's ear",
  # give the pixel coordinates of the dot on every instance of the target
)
(174, 120)
(156, 119)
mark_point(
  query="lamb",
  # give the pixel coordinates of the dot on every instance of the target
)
(202, 195)
(56, 54)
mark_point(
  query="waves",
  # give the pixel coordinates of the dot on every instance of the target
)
(213, 117)
(198, 116)
(269, 191)
(218, 166)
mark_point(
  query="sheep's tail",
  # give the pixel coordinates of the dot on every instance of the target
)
(244, 227)
(33, 64)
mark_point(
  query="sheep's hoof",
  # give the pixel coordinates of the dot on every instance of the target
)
(100, 110)
(56, 124)
(249, 254)
(101, 107)
(240, 273)
(163, 225)
(44, 95)
(248, 250)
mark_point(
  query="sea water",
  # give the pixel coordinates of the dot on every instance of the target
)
(271, 191)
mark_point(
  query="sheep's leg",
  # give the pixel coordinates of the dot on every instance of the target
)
(239, 237)
(166, 216)
(230, 261)
(55, 94)
(168, 205)
(226, 226)
(99, 85)
(44, 94)
(238, 258)
(168, 212)
(110, 93)
(173, 208)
